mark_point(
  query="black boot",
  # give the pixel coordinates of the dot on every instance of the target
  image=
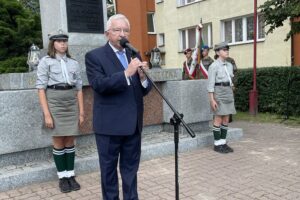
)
(64, 185)
(228, 148)
(220, 149)
(73, 183)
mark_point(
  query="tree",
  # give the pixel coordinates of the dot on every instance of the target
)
(32, 5)
(277, 11)
(19, 28)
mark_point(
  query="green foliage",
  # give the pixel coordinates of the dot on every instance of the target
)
(32, 5)
(278, 89)
(277, 11)
(12, 65)
(19, 28)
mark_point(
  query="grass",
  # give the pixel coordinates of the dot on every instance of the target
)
(268, 118)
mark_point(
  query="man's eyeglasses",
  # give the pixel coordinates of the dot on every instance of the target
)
(119, 30)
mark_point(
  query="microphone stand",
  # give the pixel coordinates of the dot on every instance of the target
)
(175, 121)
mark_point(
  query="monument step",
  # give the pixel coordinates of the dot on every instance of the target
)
(153, 146)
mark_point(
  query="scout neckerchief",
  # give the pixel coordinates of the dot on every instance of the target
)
(65, 72)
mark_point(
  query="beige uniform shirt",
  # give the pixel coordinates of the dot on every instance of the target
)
(49, 72)
(217, 73)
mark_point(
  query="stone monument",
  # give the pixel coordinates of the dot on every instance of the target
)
(83, 20)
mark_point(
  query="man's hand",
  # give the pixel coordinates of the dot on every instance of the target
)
(133, 67)
(141, 73)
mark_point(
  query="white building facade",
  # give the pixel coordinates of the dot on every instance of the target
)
(223, 20)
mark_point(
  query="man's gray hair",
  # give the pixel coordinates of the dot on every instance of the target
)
(116, 17)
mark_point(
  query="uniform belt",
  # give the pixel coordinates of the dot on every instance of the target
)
(222, 84)
(61, 87)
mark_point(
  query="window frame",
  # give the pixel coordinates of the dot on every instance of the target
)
(185, 44)
(244, 30)
(153, 22)
(161, 39)
(180, 3)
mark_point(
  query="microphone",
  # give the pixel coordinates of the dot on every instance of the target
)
(125, 43)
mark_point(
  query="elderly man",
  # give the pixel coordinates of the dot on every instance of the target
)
(119, 86)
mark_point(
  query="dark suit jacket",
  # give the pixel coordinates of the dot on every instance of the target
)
(118, 107)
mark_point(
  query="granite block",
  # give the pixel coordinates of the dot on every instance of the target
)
(21, 81)
(189, 98)
(20, 122)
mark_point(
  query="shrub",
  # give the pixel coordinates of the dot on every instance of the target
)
(12, 65)
(278, 90)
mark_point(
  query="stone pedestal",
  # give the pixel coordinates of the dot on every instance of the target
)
(21, 116)
(54, 16)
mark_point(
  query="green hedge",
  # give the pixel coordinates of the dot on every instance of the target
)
(14, 65)
(275, 91)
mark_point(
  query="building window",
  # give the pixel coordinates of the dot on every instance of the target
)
(161, 39)
(150, 22)
(228, 31)
(185, 2)
(188, 36)
(250, 28)
(241, 29)
(261, 25)
(238, 30)
(207, 34)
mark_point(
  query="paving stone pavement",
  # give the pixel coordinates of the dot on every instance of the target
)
(264, 166)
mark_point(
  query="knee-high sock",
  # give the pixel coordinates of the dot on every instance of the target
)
(60, 160)
(70, 159)
(224, 129)
(217, 135)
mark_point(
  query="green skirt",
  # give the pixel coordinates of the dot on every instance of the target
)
(63, 107)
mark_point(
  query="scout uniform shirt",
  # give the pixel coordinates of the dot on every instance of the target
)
(207, 61)
(49, 72)
(217, 73)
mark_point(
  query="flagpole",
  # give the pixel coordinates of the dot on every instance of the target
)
(253, 102)
(200, 38)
